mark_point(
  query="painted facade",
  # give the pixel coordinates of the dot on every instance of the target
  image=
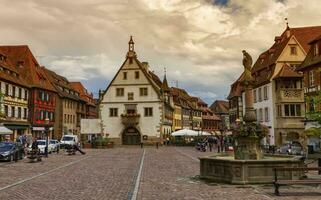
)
(132, 106)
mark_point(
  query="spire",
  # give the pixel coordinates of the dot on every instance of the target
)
(131, 51)
(131, 44)
(287, 23)
(165, 84)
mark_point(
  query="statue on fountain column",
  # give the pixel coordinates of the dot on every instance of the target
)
(247, 63)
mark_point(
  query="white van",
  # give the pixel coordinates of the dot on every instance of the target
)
(69, 140)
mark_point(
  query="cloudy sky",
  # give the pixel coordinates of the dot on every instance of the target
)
(198, 41)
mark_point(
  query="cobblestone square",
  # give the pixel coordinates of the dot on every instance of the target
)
(166, 173)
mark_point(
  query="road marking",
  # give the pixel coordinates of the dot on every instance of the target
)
(42, 174)
(133, 196)
(187, 155)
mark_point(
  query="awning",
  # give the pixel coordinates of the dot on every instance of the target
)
(187, 132)
(17, 127)
(5, 131)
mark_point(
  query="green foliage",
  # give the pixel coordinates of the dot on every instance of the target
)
(315, 115)
(253, 129)
(100, 142)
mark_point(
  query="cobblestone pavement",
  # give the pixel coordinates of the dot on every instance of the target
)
(167, 173)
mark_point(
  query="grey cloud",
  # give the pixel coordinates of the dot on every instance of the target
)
(199, 43)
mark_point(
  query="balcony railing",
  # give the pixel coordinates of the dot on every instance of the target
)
(290, 95)
(130, 119)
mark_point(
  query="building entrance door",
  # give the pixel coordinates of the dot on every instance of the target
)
(131, 136)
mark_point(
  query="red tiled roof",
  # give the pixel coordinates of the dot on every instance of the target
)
(303, 35)
(78, 86)
(287, 72)
(237, 87)
(30, 70)
(220, 106)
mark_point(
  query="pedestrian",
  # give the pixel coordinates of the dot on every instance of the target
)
(167, 141)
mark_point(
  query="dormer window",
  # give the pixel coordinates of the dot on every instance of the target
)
(2, 57)
(20, 63)
(316, 49)
(293, 50)
(262, 60)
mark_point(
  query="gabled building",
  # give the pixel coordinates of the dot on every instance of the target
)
(168, 105)
(69, 106)
(221, 109)
(14, 96)
(91, 108)
(210, 121)
(312, 89)
(132, 106)
(278, 93)
(42, 95)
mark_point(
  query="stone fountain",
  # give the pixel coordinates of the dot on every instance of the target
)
(248, 165)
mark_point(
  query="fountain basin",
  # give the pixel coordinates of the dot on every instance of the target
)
(225, 169)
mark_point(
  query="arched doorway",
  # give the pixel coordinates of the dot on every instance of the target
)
(292, 136)
(131, 136)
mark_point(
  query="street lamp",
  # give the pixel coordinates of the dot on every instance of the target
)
(47, 135)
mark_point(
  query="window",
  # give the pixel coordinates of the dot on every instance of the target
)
(65, 118)
(7, 89)
(143, 92)
(13, 111)
(279, 110)
(311, 78)
(136, 74)
(293, 50)
(20, 93)
(125, 75)
(130, 96)
(254, 96)
(266, 114)
(260, 114)
(119, 92)
(13, 92)
(148, 112)
(316, 50)
(311, 105)
(265, 92)
(6, 110)
(113, 112)
(26, 94)
(260, 94)
(293, 110)
(25, 113)
(19, 112)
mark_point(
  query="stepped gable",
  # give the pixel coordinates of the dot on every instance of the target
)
(28, 67)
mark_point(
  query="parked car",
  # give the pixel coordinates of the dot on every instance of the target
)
(69, 140)
(294, 148)
(9, 149)
(54, 145)
(42, 146)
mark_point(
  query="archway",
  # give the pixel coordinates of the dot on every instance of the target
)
(292, 136)
(131, 136)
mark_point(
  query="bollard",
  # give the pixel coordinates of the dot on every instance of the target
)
(141, 145)
(16, 154)
(319, 164)
(156, 145)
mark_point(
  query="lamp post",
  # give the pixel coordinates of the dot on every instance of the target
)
(47, 135)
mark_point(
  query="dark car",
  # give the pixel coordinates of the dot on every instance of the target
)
(9, 149)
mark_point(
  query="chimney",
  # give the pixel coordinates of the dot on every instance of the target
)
(100, 94)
